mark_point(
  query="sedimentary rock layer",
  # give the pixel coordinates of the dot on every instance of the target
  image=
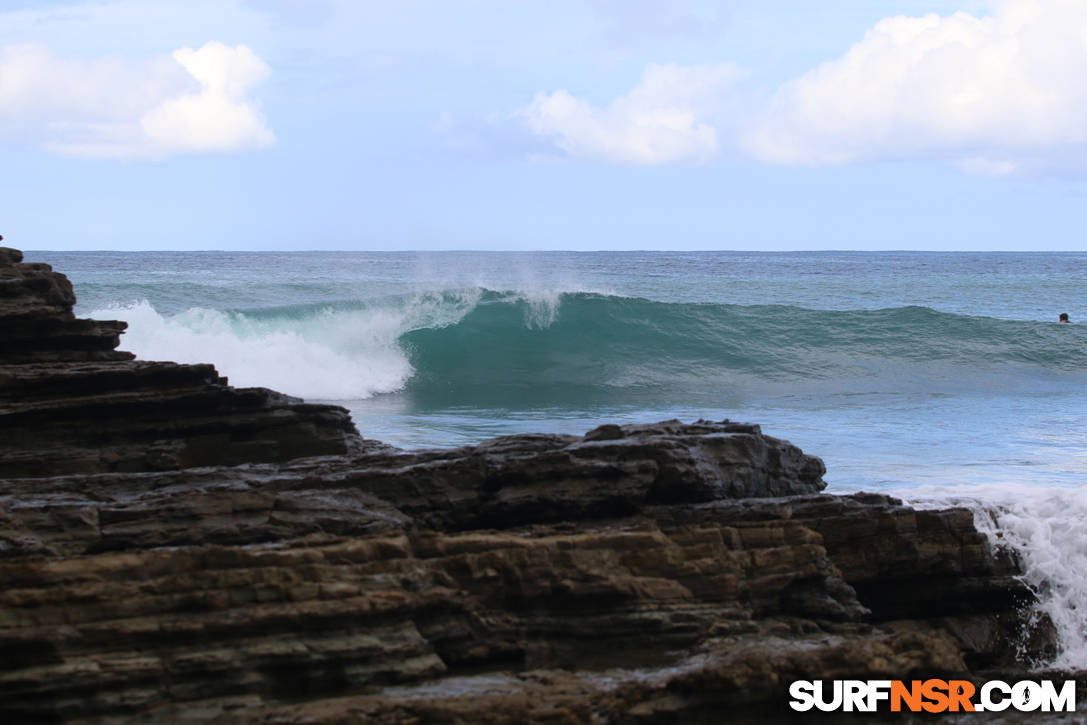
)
(71, 403)
(588, 575)
(36, 320)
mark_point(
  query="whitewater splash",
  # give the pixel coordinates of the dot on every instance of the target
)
(1044, 528)
(347, 351)
(291, 359)
(454, 345)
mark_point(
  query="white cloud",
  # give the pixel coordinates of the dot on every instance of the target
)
(991, 94)
(195, 101)
(667, 118)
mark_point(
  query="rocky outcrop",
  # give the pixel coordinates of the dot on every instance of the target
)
(36, 320)
(71, 403)
(397, 586)
(637, 574)
(517, 480)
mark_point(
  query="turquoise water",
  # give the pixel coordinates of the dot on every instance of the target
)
(939, 377)
(899, 369)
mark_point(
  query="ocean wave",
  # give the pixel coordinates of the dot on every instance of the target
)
(546, 345)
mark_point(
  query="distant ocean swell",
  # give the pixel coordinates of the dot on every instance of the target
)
(468, 342)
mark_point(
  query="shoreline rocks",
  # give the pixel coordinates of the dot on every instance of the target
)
(173, 549)
(71, 403)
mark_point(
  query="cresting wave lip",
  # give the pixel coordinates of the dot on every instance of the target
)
(475, 341)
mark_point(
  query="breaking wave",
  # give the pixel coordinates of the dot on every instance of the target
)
(468, 342)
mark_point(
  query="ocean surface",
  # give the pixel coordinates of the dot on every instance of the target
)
(937, 377)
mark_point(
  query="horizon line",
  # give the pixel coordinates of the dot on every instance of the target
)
(565, 251)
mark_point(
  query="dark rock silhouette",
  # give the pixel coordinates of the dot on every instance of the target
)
(71, 403)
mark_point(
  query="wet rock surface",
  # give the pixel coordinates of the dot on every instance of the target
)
(176, 550)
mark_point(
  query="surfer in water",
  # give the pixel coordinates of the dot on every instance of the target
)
(1064, 317)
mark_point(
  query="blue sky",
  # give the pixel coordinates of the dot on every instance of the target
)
(561, 124)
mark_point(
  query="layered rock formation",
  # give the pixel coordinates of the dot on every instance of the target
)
(70, 402)
(36, 320)
(638, 574)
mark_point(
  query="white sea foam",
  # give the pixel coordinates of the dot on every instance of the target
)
(1044, 526)
(323, 354)
(326, 355)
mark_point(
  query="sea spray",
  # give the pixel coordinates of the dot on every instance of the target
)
(1044, 527)
(252, 354)
(313, 351)
(546, 346)
(1046, 530)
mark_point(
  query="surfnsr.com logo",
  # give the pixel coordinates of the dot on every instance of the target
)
(932, 696)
